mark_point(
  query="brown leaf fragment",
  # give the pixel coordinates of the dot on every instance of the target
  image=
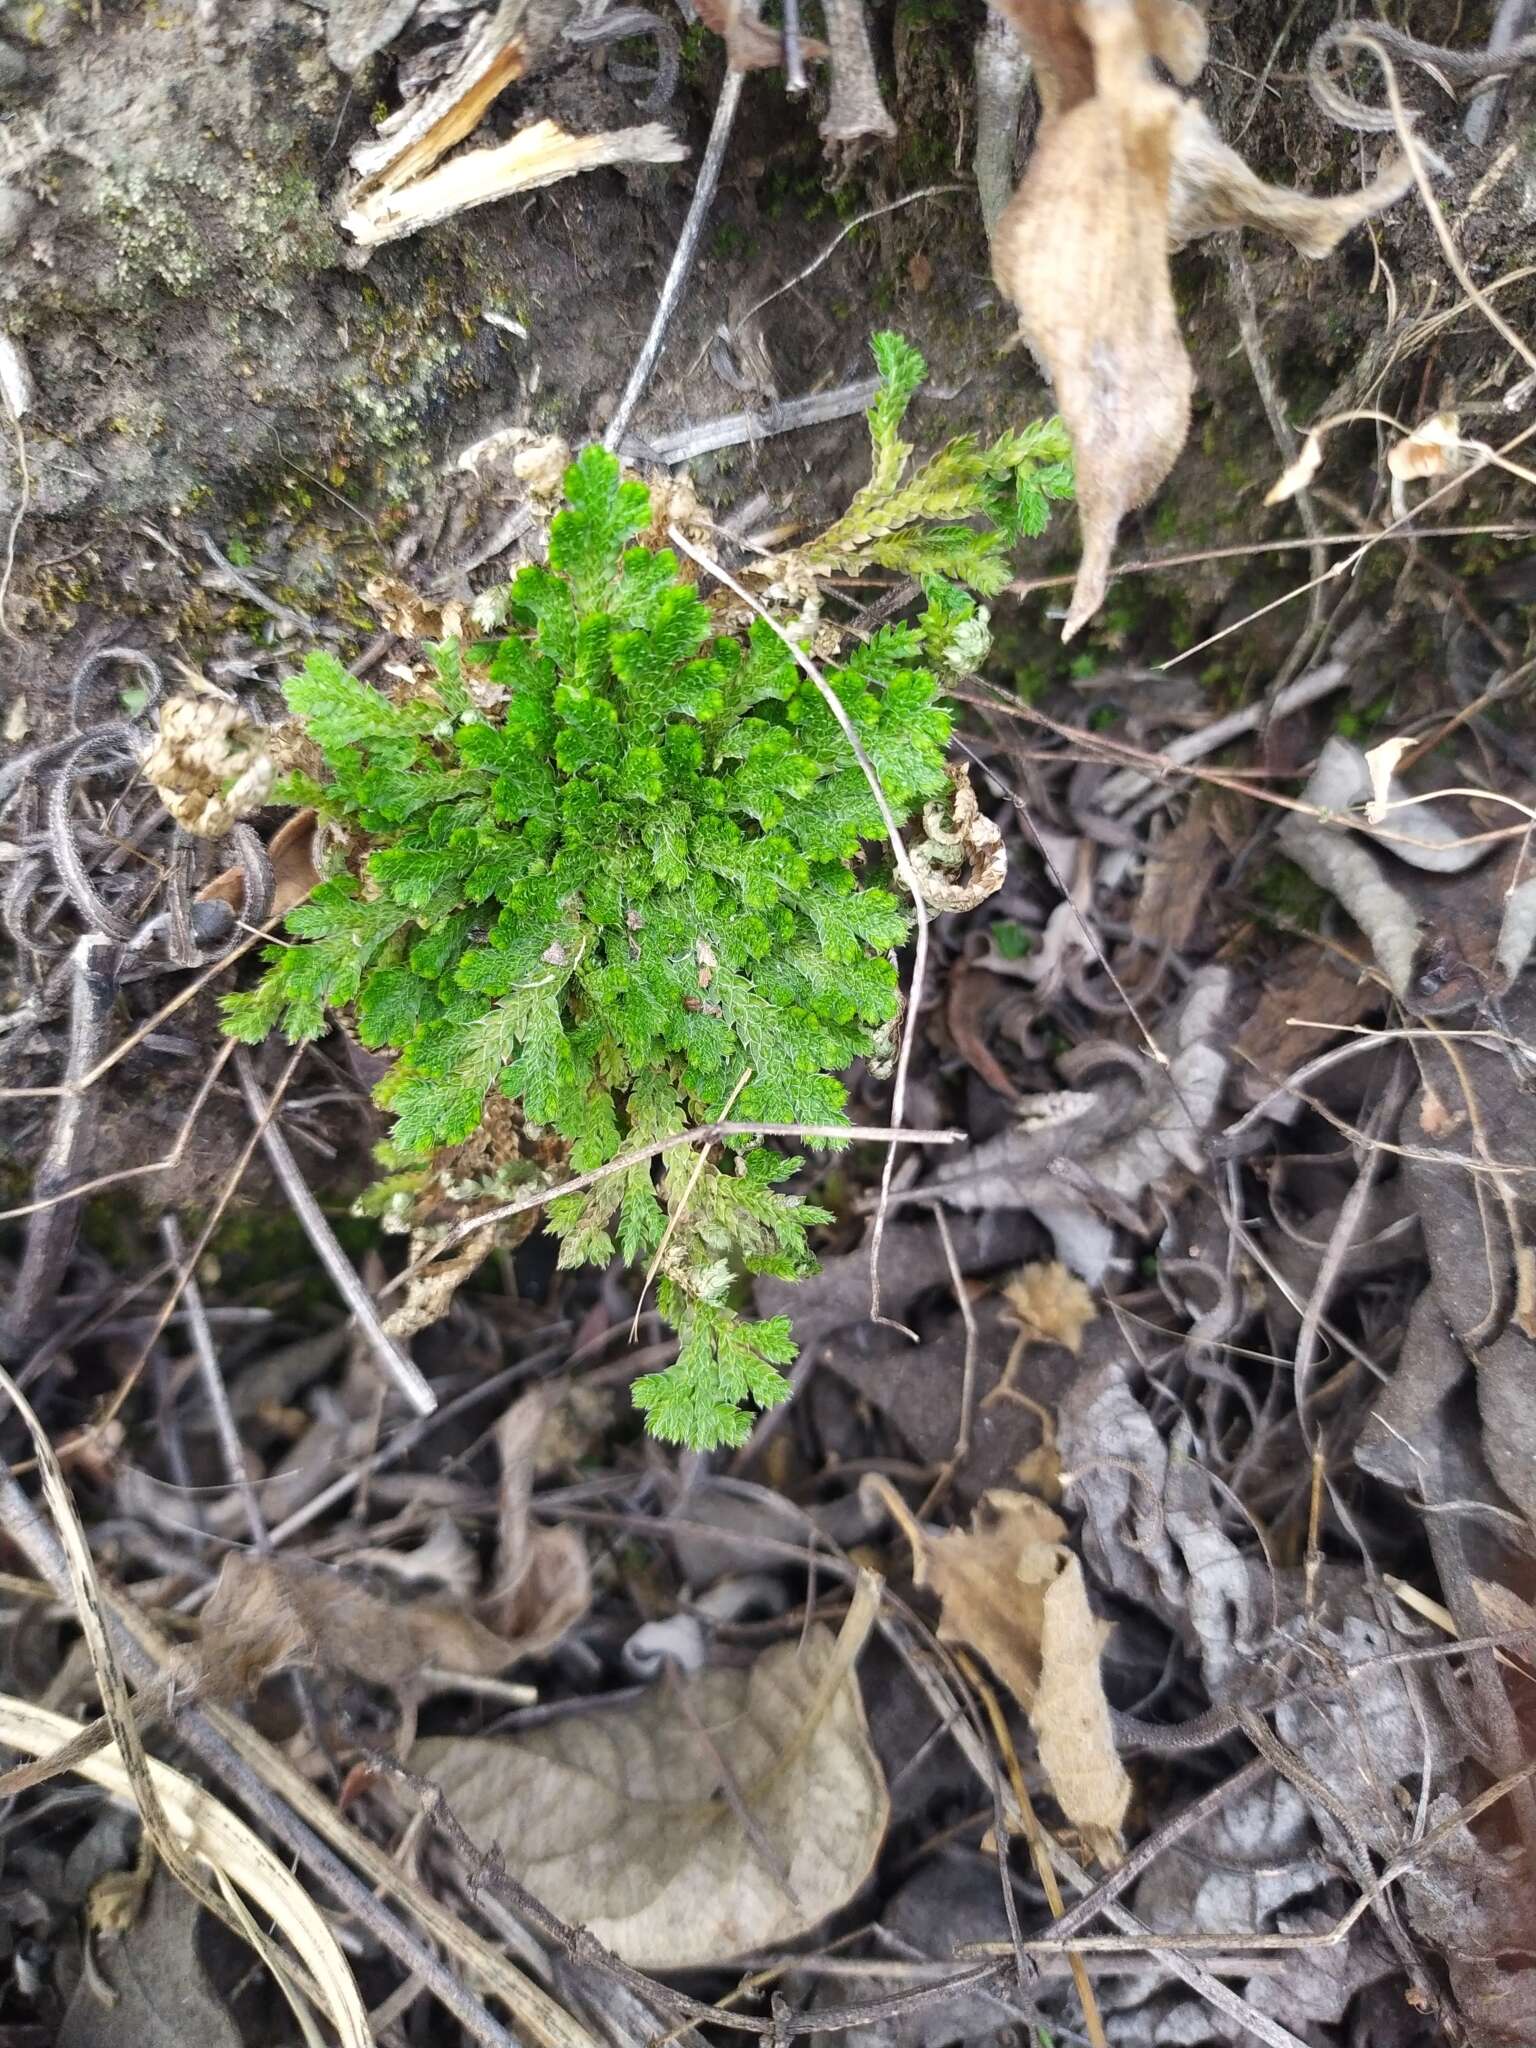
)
(1429, 450)
(1318, 987)
(1053, 33)
(990, 1580)
(272, 1614)
(1051, 1303)
(1011, 1590)
(291, 852)
(1213, 189)
(750, 44)
(1082, 251)
(543, 1582)
(1176, 886)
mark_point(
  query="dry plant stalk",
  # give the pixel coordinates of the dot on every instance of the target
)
(1124, 171)
(402, 182)
(542, 154)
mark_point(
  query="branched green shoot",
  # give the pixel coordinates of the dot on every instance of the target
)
(961, 512)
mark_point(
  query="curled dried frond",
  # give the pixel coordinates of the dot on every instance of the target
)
(210, 764)
(961, 860)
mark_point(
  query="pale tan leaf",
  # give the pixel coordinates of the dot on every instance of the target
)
(1123, 171)
(1052, 1303)
(1082, 251)
(1428, 451)
(1071, 1718)
(210, 764)
(991, 1581)
(543, 1582)
(1298, 474)
(618, 1821)
(1011, 1590)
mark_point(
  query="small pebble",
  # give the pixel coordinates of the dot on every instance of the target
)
(17, 207)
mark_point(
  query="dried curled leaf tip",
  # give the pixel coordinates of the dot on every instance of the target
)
(210, 765)
(958, 837)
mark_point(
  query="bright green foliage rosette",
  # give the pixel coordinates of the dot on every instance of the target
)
(627, 874)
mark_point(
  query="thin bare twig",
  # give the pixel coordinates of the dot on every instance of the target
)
(962, 1449)
(51, 1232)
(739, 429)
(402, 1374)
(217, 1393)
(683, 257)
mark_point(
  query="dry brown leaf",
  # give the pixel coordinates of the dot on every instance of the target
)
(617, 1820)
(271, 1614)
(1054, 34)
(1071, 1717)
(1052, 1303)
(1124, 171)
(1428, 451)
(1011, 1590)
(543, 1582)
(1176, 883)
(291, 852)
(1082, 251)
(1213, 190)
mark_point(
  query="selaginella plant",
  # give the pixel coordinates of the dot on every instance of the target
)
(622, 868)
